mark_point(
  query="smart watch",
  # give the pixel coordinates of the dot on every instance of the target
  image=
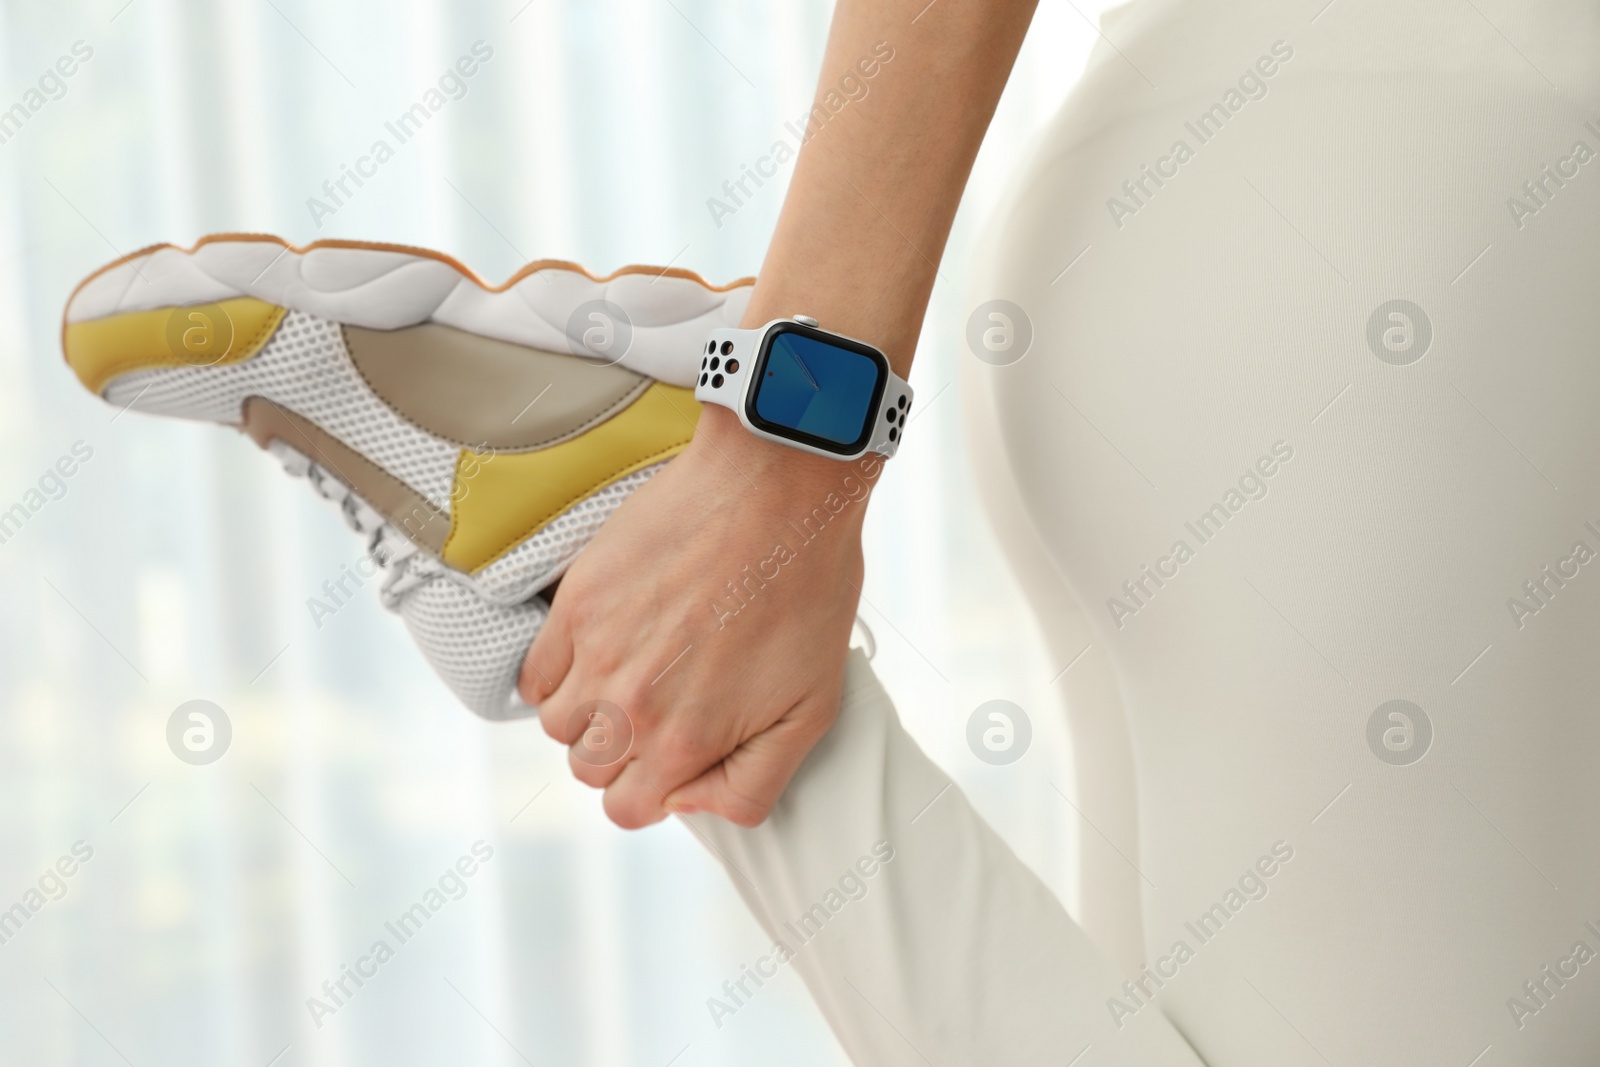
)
(795, 383)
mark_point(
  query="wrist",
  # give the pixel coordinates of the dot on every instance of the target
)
(776, 470)
(862, 320)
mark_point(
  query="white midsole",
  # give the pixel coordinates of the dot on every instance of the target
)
(668, 316)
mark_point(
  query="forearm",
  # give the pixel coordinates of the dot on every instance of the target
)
(876, 186)
(729, 683)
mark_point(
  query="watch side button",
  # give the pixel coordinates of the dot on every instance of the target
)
(806, 320)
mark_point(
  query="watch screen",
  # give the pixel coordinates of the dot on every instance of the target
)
(816, 388)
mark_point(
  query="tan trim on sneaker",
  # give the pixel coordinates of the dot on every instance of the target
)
(500, 500)
(204, 335)
(488, 394)
(408, 510)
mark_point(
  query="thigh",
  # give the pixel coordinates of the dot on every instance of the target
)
(1309, 425)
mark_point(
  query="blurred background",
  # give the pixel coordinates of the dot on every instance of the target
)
(177, 562)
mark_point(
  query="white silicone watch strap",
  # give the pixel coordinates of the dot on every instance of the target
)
(727, 361)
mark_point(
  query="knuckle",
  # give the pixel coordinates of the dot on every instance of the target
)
(637, 699)
(598, 664)
(640, 719)
(748, 814)
(553, 716)
(625, 811)
(676, 745)
(531, 688)
(590, 775)
(571, 603)
(744, 811)
(599, 733)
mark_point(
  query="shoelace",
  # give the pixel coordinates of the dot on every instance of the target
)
(404, 565)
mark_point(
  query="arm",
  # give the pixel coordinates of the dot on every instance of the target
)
(725, 705)
(876, 189)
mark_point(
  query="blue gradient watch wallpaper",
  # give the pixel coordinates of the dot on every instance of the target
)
(817, 388)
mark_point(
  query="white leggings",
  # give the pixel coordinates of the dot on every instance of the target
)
(950, 951)
(1305, 447)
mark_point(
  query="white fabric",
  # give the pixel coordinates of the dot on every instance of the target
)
(1444, 913)
(382, 290)
(952, 952)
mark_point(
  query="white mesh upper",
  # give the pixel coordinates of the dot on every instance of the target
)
(306, 368)
(540, 559)
(473, 630)
(476, 647)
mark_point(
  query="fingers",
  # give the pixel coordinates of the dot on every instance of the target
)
(558, 713)
(744, 787)
(553, 683)
(635, 799)
(548, 660)
(680, 751)
(601, 742)
(636, 794)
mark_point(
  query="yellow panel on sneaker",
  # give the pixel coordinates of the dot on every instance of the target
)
(451, 421)
(202, 335)
(500, 500)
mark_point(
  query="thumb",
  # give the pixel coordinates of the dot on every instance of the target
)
(747, 783)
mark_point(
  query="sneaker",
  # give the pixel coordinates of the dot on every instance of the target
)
(476, 435)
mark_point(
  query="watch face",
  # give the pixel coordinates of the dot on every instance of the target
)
(818, 389)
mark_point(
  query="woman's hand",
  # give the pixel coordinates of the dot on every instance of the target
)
(728, 676)
(714, 609)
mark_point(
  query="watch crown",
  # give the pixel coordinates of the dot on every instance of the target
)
(806, 320)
